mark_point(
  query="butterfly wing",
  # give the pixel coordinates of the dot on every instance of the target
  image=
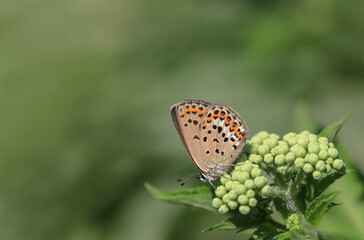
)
(187, 117)
(223, 135)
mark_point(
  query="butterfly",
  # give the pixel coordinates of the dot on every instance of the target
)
(213, 135)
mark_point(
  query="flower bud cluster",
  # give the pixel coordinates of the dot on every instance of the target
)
(242, 189)
(293, 222)
(314, 155)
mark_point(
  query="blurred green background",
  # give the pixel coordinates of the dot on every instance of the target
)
(86, 87)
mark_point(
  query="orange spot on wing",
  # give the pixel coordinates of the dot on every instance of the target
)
(204, 124)
(200, 112)
(228, 123)
(216, 115)
(238, 134)
(194, 109)
(222, 117)
(233, 128)
(209, 119)
(188, 110)
(181, 114)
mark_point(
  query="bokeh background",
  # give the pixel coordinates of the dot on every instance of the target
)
(86, 87)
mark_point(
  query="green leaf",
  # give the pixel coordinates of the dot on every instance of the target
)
(266, 232)
(331, 131)
(319, 206)
(200, 197)
(324, 183)
(238, 222)
(281, 207)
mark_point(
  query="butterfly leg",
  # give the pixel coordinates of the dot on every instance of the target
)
(212, 184)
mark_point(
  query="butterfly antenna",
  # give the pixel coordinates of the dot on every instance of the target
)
(186, 178)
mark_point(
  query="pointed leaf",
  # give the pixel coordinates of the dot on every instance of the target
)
(331, 131)
(238, 222)
(324, 183)
(319, 206)
(200, 197)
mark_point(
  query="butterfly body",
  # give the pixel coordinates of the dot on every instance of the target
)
(212, 134)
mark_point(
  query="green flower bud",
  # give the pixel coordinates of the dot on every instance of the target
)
(220, 191)
(225, 198)
(331, 145)
(302, 141)
(299, 162)
(216, 202)
(256, 172)
(290, 170)
(312, 158)
(290, 157)
(247, 166)
(266, 190)
(333, 153)
(223, 209)
(274, 151)
(289, 136)
(320, 166)
(235, 184)
(229, 185)
(263, 134)
(234, 175)
(293, 222)
(313, 147)
(275, 136)
(256, 158)
(263, 149)
(237, 167)
(306, 133)
(280, 159)
(253, 202)
(271, 142)
(312, 137)
(233, 195)
(249, 184)
(324, 146)
(253, 148)
(292, 141)
(337, 164)
(243, 177)
(323, 140)
(256, 140)
(260, 181)
(323, 154)
(282, 169)
(250, 193)
(268, 158)
(244, 210)
(243, 200)
(329, 161)
(233, 205)
(241, 189)
(328, 168)
(224, 179)
(316, 175)
(283, 148)
(299, 151)
(307, 168)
